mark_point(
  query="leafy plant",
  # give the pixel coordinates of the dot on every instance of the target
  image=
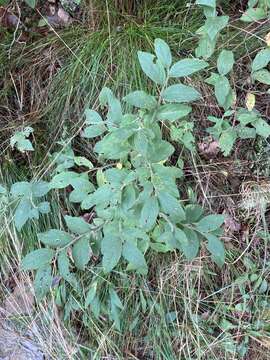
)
(257, 10)
(135, 201)
(20, 140)
(259, 66)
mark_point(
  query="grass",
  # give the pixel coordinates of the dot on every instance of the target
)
(181, 310)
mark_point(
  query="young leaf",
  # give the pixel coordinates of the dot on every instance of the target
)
(77, 225)
(94, 131)
(173, 112)
(262, 128)
(227, 140)
(92, 117)
(187, 67)
(111, 249)
(163, 53)
(22, 213)
(210, 223)
(81, 252)
(263, 76)
(43, 282)
(180, 93)
(149, 213)
(225, 62)
(135, 258)
(141, 99)
(54, 238)
(216, 249)
(253, 14)
(261, 60)
(37, 258)
(154, 71)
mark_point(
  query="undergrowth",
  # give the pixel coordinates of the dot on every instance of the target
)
(145, 301)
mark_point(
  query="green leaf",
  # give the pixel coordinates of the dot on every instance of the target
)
(24, 145)
(111, 249)
(82, 161)
(40, 188)
(21, 188)
(44, 207)
(216, 249)
(22, 213)
(37, 258)
(227, 140)
(149, 213)
(261, 60)
(77, 225)
(63, 267)
(163, 52)
(214, 25)
(94, 131)
(253, 14)
(263, 76)
(154, 71)
(225, 62)
(92, 117)
(114, 298)
(193, 212)
(54, 238)
(161, 151)
(206, 47)
(91, 294)
(262, 128)
(171, 206)
(31, 3)
(141, 99)
(172, 112)
(187, 67)
(135, 258)
(180, 93)
(81, 252)
(210, 223)
(141, 142)
(62, 180)
(181, 238)
(43, 282)
(191, 249)
(222, 90)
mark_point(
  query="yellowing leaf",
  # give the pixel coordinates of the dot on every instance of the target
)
(267, 39)
(250, 101)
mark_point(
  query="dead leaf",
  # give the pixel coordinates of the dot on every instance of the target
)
(21, 300)
(7, 19)
(209, 148)
(59, 18)
(250, 101)
(267, 39)
(231, 225)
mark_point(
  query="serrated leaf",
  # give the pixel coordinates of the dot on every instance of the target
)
(111, 249)
(227, 140)
(22, 213)
(77, 225)
(225, 62)
(37, 258)
(141, 99)
(43, 282)
(191, 249)
(262, 128)
(94, 131)
(171, 206)
(193, 212)
(149, 213)
(187, 67)
(154, 71)
(55, 238)
(92, 117)
(216, 249)
(163, 52)
(81, 252)
(263, 76)
(180, 93)
(261, 60)
(210, 223)
(135, 258)
(253, 14)
(173, 112)
(63, 267)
